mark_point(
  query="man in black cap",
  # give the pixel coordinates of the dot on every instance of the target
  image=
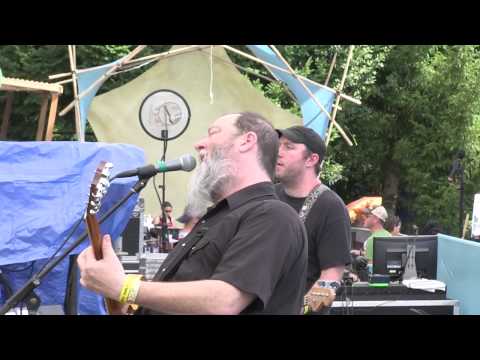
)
(301, 153)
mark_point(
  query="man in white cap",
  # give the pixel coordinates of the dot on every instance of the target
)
(375, 221)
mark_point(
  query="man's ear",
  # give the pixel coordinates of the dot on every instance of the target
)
(313, 159)
(248, 140)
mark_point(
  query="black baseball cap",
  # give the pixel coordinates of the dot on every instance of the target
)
(303, 135)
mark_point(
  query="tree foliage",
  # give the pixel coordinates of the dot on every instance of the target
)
(420, 111)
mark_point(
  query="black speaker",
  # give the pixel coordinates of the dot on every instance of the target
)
(131, 237)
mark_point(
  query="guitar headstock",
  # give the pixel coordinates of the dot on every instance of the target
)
(99, 187)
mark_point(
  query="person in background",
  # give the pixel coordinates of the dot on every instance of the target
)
(432, 227)
(375, 221)
(393, 225)
(168, 208)
(188, 220)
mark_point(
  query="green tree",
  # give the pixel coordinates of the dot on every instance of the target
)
(422, 108)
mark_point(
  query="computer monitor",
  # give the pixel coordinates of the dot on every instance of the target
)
(390, 255)
(359, 236)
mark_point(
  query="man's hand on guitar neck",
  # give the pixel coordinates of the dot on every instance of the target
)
(318, 298)
(105, 276)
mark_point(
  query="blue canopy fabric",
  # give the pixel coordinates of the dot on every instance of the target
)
(313, 116)
(44, 188)
(84, 80)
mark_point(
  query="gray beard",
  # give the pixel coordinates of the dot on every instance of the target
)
(211, 181)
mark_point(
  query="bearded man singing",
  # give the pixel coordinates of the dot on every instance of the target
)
(246, 255)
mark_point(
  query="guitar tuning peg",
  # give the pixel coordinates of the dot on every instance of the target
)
(104, 182)
(107, 168)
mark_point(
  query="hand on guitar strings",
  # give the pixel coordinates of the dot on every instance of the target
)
(105, 276)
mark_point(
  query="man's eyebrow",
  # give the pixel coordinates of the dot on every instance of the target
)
(286, 141)
(213, 129)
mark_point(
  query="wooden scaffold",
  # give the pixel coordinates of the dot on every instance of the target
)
(49, 94)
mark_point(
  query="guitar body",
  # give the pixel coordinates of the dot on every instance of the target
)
(97, 191)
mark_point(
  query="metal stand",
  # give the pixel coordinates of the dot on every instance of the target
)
(27, 290)
(410, 272)
(165, 243)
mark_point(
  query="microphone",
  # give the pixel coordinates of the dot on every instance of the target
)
(185, 163)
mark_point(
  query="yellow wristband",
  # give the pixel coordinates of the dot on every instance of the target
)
(306, 309)
(124, 292)
(134, 287)
(130, 288)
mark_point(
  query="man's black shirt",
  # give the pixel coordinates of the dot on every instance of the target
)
(329, 232)
(252, 241)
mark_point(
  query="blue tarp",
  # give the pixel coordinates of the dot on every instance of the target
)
(44, 188)
(313, 116)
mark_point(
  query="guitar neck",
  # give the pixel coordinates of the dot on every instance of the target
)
(93, 229)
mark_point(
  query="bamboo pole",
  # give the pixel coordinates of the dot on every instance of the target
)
(51, 117)
(332, 65)
(337, 100)
(42, 118)
(7, 111)
(263, 62)
(58, 76)
(243, 68)
(294, 74)
(104, 77)
(73, 68)
(63, 82)
(169, 53)
(256, 74)
(145, 58)
(314, 98)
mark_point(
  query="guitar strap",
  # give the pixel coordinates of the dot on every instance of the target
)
(310, 200)
(174, 262)
(170, 265)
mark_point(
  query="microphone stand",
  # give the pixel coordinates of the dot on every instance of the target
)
(165, 242)
(35, 281)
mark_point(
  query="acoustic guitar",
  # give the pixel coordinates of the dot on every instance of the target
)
(98, 189)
